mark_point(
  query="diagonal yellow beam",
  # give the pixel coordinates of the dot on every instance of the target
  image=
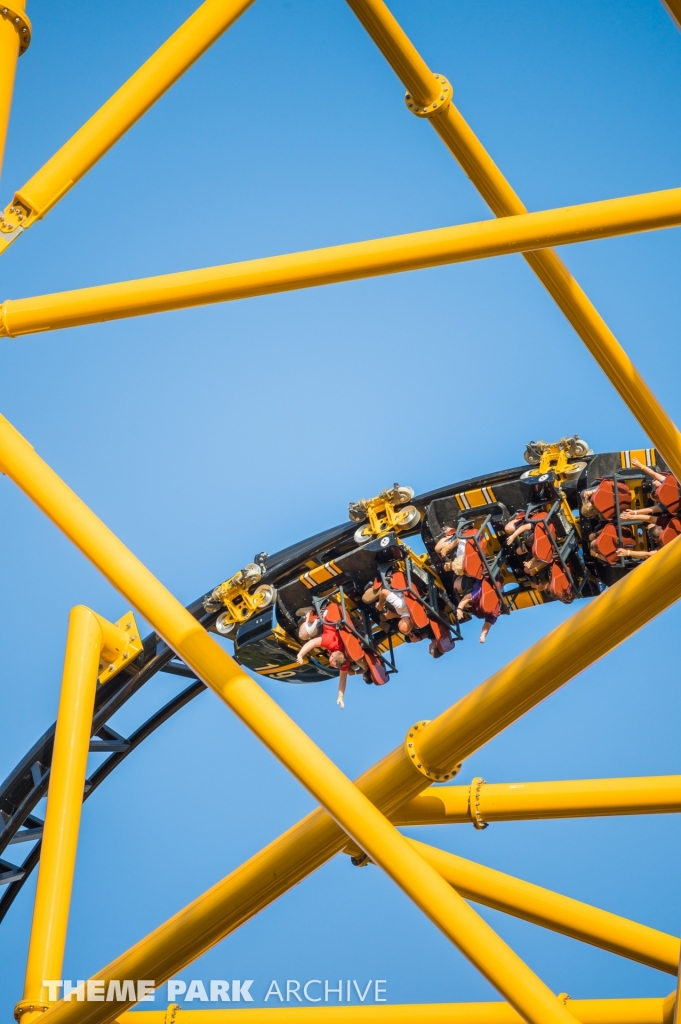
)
(434, 748)
(588, 1011)
(349, 807)
(14, 31)
(482, 803)
(552, 910)
(341, 263)
(425, 90)
(89, 144)
(674, 8)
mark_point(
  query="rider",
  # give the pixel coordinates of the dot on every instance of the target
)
(309, 624)
(470, 602)
(658, 480)
(661, 528)
(446, 544)
(515, 528)
(331, 642)
(521, 532)
(395, 602)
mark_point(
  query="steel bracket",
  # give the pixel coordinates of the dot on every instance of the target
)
(171, 1013)
(134, 647)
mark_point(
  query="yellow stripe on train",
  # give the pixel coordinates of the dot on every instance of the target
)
(320, 575)
(475, 498)
(648, 456)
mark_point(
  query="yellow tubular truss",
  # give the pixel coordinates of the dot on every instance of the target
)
(342, 263)
(436, 881)
(360, 819)
(589, 634)
(523, 801)
(89, 638)
(121, 111)
(457, 135)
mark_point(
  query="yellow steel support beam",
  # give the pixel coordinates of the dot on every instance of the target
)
(588, 1011)
(481, 802)
(559, 913)
(509, 693)
(90, 639)
(75, 158)
(674, 8)
(341, 263)
(12, 21)
(353, 811)
(425, 90)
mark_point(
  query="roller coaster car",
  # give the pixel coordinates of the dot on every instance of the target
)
(540, 501)
(618, 486)
(333, 569)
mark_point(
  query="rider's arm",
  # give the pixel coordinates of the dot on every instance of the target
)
(342, 681)
(516, 533)
(306, 648)
(648, 471)
(626, 553)
(642, 515)
(486, 626)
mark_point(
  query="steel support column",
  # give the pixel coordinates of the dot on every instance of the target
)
(9, 55)
(341, 263)
(457, 135)
(89, 639)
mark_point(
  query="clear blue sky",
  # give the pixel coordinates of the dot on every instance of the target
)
(204, 436)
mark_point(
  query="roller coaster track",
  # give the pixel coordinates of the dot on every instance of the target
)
(582, 547)
(28, 783)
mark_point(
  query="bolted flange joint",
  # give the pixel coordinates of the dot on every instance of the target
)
(171, 1013)
(441, 98)
(29, 1006)
(21, 24)
(412, 752)
(474, 804)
